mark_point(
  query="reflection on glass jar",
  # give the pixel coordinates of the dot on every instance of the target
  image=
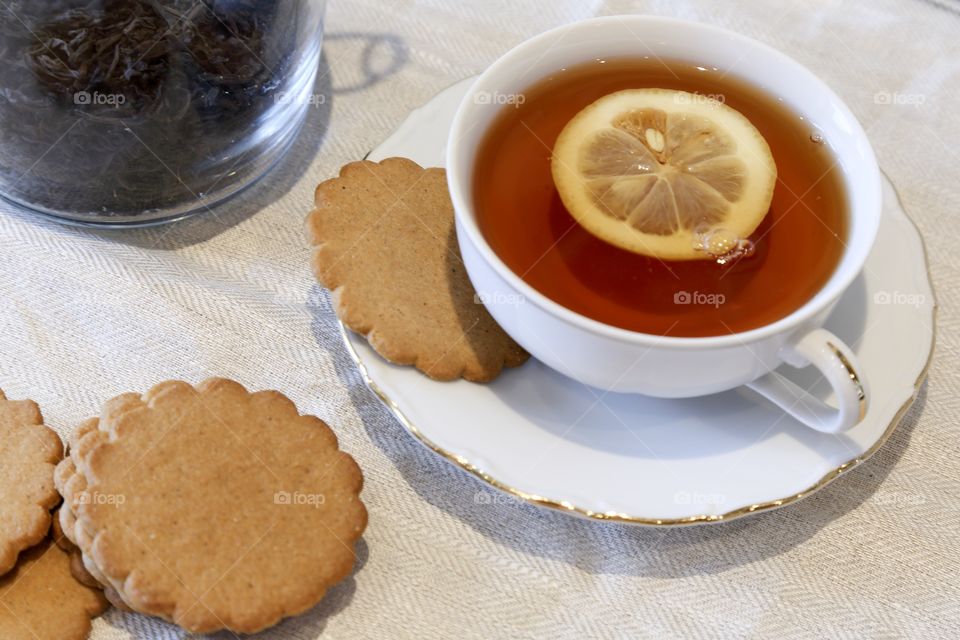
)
(126, 112)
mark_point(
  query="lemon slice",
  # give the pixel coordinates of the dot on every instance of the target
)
(669, 174)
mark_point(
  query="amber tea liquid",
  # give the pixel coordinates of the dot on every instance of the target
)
(797, 246)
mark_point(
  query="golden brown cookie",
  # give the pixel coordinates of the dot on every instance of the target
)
(40, 600)
(386, 248)
(29, 452)
(67, 524)
(64, 520)
(80, 572)
(214, 507)
(59, 537)
(86, 572)
(69, 482)
(115, 599)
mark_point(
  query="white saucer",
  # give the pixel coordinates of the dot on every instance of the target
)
(544, 438)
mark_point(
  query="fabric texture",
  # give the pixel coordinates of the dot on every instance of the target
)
(89, 314)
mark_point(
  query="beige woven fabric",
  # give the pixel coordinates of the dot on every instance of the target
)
(86, 315)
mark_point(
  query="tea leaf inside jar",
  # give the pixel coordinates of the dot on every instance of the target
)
(125, 53)
(128, 104)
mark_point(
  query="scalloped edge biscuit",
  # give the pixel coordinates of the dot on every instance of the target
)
(69, 481)
(233, 443)
(385, 245)
(26, 478)
(43, 601)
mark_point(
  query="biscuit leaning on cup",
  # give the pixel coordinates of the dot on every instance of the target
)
(386, 248)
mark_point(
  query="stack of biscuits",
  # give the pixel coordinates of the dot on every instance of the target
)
(39, 599)
(210, 507)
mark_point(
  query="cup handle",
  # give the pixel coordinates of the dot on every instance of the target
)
(838, 365)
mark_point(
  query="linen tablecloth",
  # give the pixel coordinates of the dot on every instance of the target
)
(89, 314)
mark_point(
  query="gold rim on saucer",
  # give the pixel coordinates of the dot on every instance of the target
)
(562, 505)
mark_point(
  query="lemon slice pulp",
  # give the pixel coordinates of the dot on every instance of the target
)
(664, 173)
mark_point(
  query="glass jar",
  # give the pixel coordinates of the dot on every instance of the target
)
(133, 112)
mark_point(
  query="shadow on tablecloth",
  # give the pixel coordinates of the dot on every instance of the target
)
(310, 624)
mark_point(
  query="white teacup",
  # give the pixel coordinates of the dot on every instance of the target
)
(619, 360)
